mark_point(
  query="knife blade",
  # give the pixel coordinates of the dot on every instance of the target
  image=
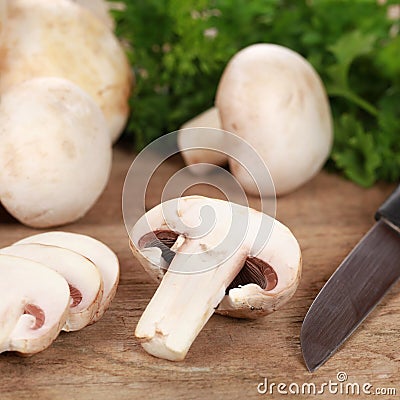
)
(355, 288)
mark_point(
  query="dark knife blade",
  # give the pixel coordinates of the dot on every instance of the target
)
(355, 288)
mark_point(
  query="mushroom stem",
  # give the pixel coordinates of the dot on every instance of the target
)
(184, 302)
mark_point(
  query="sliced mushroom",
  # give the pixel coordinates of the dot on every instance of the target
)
(227, 268)
(97, 252)
(196, 144)
(34, 305)
(84, 280)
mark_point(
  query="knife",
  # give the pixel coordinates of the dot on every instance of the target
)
(355, 288)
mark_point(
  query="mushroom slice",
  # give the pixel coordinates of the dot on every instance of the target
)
(33, 307)
(189, 138)
(202, 266)
(101, 256)
(84, 280)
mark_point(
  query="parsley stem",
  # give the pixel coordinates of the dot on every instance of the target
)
(351, 96)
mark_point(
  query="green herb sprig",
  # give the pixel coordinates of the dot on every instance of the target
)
(179, 48)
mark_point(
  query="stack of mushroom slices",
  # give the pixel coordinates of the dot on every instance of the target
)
(51, 282)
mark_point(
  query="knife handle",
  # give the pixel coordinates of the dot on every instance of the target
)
(390, 209)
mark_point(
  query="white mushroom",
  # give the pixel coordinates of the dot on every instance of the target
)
(3, 17)
(84, 280)
(99, 8)
(60, 38)
(101, 255)
(55, 152)
(34, 305)
(190, 138)
(272, 97)
(205, 266)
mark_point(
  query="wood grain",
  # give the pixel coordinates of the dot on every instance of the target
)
(230, 357)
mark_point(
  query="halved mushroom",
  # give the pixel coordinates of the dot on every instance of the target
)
(84, 280)
(34, 305)
(97, 252)
(221, 261)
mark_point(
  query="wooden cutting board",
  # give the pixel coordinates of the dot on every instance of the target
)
(230, 357)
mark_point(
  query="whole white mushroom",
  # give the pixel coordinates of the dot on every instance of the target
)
(61, 38)
(99, 8)
(3, 17)
(202, 139)
(273, 98)
(55, 152)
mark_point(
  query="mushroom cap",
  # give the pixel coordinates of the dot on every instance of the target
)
(61, 38)
(86, 285)
(272, 97)
(99, 8)
(34, 305)
(55, 152)
(281, 251)
(97, 252)
(3, 17)
(189, 137)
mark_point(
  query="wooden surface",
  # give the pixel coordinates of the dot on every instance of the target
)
(230, 357)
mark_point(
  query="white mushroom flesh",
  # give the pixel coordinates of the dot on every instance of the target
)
(34, 305)
(201, 269)
(97, 252)
(84, 280)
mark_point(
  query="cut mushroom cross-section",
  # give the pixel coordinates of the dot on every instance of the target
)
(101, 256)
(244, 264)
(34, 305)
(84, 280)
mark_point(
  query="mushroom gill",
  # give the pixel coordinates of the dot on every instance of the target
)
(37, 313)
(254, 270)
